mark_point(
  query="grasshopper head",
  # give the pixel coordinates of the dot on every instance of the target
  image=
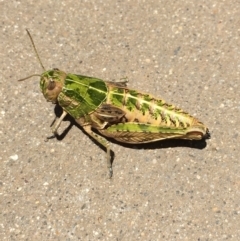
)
(51, 84)
(51, 81)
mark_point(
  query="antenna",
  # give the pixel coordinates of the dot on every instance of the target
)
(35, 50)
(29, 77)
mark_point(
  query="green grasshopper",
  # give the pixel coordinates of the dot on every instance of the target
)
(112, 110)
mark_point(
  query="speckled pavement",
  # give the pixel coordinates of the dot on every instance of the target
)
(186, 52)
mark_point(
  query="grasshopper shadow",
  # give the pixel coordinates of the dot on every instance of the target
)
(201, 144)
(58, 112)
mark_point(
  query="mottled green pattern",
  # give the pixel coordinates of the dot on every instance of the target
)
(117, 96)
(131, 103)
(86, 93)
(140, 127)
(165, 114)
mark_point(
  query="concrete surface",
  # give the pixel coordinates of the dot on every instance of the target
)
(186, 52)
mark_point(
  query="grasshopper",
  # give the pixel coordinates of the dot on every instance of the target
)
(110, 109)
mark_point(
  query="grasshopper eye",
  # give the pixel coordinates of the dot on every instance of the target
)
(51, 85)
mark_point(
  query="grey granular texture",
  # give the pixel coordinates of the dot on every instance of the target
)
(186, 52)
